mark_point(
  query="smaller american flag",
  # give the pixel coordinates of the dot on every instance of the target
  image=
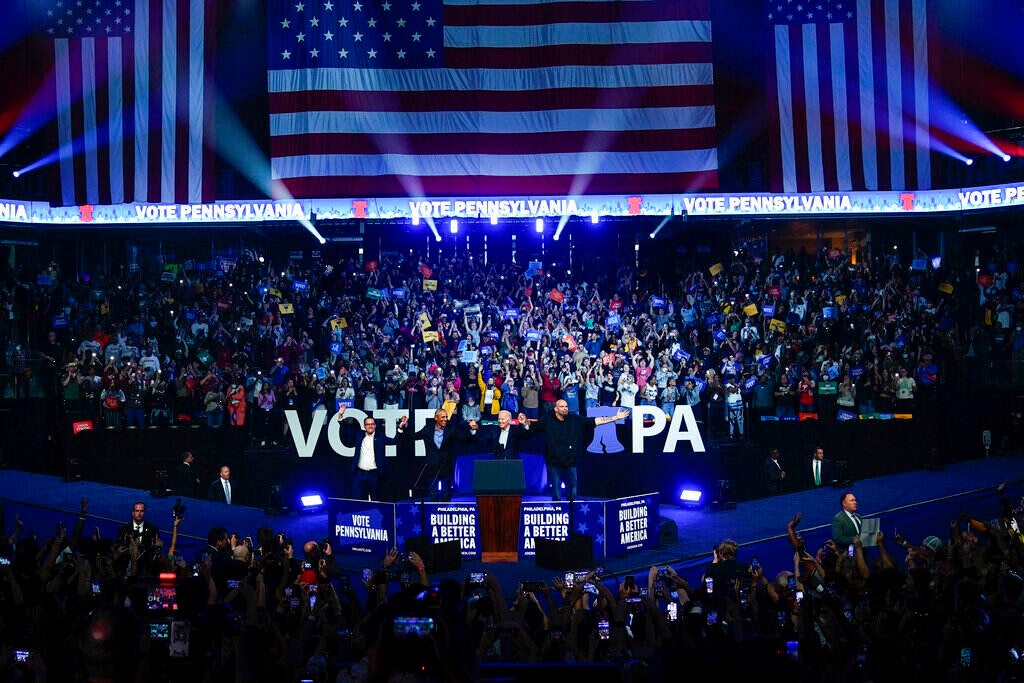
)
(848, 94)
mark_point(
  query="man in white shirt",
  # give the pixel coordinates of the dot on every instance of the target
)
(368, 465)
(504, 441)
(140, 532)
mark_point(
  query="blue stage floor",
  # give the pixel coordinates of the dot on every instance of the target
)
(918, 503)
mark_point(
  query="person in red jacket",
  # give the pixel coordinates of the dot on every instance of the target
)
(550, 390)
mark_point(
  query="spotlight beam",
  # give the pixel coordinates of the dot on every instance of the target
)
(662, 224)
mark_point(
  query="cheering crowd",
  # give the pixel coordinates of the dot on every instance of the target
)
(131, 607)
(233, 342)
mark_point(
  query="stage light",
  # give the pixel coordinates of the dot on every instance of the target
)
(691, 496)
(969, 161)
(1006, 158)
(494, 219)
(593, 218)
(415, 219)
(311, 501)
(936, 262)
(540, 225)
(453, 226)
(16, 174)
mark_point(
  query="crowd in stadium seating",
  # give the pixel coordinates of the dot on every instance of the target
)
(234, 341)
(267, 609)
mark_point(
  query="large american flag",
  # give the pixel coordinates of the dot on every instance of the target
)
(133, 100)
(848, 95)
(491, 97)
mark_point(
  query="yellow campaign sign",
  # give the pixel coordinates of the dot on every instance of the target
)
(286, 309)
(424, 319)
(275, 292)
(776, 325)
(339, 324)
(715, 269)
(840, 299)
(750, 309)
(430, 285)
(946, 288)
(429, 336)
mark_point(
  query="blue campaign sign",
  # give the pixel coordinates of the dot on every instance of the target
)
(612, 320)
(829, 312)
(335, 348)
(300, 285)
(712, 319)
(440, 522)
(631, 524)
(361, 527)
(856, 371)
(680, 355)
(533, 335)
(658, 302)
(463, 345)
(768, 310)
(845, 415)
(764, 361)
(720, 335)
(59, 322)
(749, 384)
(398, 293)
(511, 313)
(542, 519)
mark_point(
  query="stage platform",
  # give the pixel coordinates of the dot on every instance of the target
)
(918, 503)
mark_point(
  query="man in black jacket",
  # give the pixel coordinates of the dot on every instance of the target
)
(503, 442)
(563, 441)
(185, 479)
(439, 438)
(369, 467)
(138, 539)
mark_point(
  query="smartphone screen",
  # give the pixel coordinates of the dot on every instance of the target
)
(712, 617)
(159, 631)
(233, 584)
(965, 657)
(850, 550)
(413, 626)
(709, 584)
(95, 587)
(21, 655)
(793, 649)
(673, 611)
(476, 578)
(367, 574)
(570, 579)
(602, 629)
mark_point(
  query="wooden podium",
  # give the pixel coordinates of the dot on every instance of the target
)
(499, 486)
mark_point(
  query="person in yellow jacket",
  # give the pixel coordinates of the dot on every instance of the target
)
(490, 398)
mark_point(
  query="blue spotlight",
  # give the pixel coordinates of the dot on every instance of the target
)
(593, 218)
(969, 162)
(494, 219)
(540, 225)
(16, 174)
(1006, 157)
(453, 226)
(311, 501)
(691, 497)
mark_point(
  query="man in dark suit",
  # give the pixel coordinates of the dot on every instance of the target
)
(503, 442)
(186, 481)
(138, 538)
(439, 438)
(221, 490)
(818, 471)
(774, 472)
(368, 466)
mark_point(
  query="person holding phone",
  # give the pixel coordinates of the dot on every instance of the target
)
(723, 569)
